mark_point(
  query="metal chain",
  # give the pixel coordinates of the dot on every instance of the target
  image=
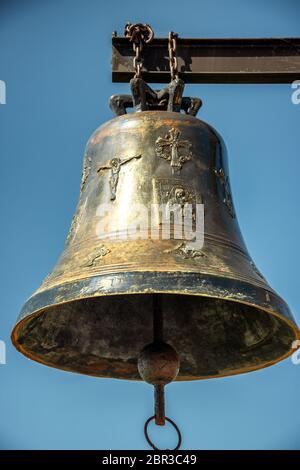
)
(137, 60)
(172, 46)
(139, 34)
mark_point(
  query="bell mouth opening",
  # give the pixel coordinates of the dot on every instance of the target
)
(103, 336)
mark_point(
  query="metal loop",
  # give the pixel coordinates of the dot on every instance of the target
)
(139, 32)
(169, 421)
(138, 70)
(137, 61)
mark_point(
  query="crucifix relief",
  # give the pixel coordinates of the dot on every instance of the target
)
(114, 165)
(173, 149)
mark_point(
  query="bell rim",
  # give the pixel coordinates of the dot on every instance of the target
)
(244, 370)
(241, 371)
(286, 317)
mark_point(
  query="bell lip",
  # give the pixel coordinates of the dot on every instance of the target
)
(285, 317)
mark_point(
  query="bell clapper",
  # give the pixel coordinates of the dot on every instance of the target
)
(158, 364)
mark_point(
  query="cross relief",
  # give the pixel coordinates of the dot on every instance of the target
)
(177, 151)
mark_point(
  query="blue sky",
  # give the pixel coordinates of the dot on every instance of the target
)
(55, 60)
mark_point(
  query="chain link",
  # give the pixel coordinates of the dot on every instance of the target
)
(137, 60)
(172, 48)
(138, 34)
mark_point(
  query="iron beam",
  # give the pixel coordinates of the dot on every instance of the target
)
(246, 60)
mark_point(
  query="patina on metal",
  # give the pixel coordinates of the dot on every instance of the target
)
(220, 315)
(150, 308)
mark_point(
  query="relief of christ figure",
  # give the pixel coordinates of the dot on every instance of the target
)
(114, 165)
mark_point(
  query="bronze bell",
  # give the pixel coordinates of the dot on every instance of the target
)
(112, 292)
(92, 314)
